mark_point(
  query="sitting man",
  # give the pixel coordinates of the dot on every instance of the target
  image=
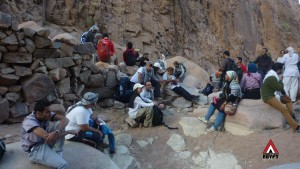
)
(179, 71)
(38, 139)
(271, 84)
(147, 95)
(145, 74)
(79, 116)
(129, 55)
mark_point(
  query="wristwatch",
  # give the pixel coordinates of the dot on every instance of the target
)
(56, 132)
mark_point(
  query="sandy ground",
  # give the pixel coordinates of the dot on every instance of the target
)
(248, 150)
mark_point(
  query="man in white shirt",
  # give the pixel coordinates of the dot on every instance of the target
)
(79, 116)
(145, 74)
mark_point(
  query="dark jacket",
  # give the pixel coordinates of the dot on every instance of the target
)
(227, 96)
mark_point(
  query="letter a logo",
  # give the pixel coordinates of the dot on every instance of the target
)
(270, 151)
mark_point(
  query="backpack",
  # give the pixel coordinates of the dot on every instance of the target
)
(83, 37)
(131, 59)
(208, 89)
(157, 119)
(123, 90)
(103, 50)
(2, 148)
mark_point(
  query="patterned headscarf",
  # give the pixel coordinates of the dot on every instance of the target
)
(231, 74)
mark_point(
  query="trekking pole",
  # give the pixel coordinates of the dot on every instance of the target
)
(209, 147)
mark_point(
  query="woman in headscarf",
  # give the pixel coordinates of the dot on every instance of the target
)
(251, 83)
(291, 73)
(231, 92)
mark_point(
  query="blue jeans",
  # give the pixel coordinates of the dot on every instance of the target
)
(105, 131)
(111, 139)
(220, 117)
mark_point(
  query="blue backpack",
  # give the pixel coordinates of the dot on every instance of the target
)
(123, 90)
(83, 37)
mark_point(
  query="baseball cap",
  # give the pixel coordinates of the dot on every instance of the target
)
(157, 65)
(137, 85)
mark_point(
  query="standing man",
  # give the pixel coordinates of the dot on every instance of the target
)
(226, 65)
(271, 84)
(38, 139)
(264, 63)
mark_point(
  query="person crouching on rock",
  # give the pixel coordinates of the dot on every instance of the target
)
(271, 84)
(79, 115)
(39, 140)
(139, 110)
(230, 93)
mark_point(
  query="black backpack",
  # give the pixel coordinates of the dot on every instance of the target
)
(157, 116)
(2, 148)
(208, 89)
(123, 90)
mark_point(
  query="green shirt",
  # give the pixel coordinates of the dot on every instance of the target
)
(268, 88)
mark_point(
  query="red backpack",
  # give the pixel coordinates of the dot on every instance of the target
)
(104, 49)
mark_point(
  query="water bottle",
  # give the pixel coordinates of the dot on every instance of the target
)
(121, 90)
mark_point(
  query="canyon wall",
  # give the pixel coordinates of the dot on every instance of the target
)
(198, 30)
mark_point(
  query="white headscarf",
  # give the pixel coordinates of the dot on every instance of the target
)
(290, 51)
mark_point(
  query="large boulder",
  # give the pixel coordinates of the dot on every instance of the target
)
(9, 40)
(16, 158)
(194, 73)
(253, 115)
(37, 87)
(65, 38)
(192, 126)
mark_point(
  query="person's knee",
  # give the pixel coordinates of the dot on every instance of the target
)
(63, 164)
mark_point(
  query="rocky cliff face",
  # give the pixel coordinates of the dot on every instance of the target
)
(194, 29)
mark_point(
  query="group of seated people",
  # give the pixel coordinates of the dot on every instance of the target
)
(270, 88)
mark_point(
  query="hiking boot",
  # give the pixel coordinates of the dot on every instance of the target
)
(103, 145)
(112, 151)
(132, 122)
(211, 129)
(203, 119)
